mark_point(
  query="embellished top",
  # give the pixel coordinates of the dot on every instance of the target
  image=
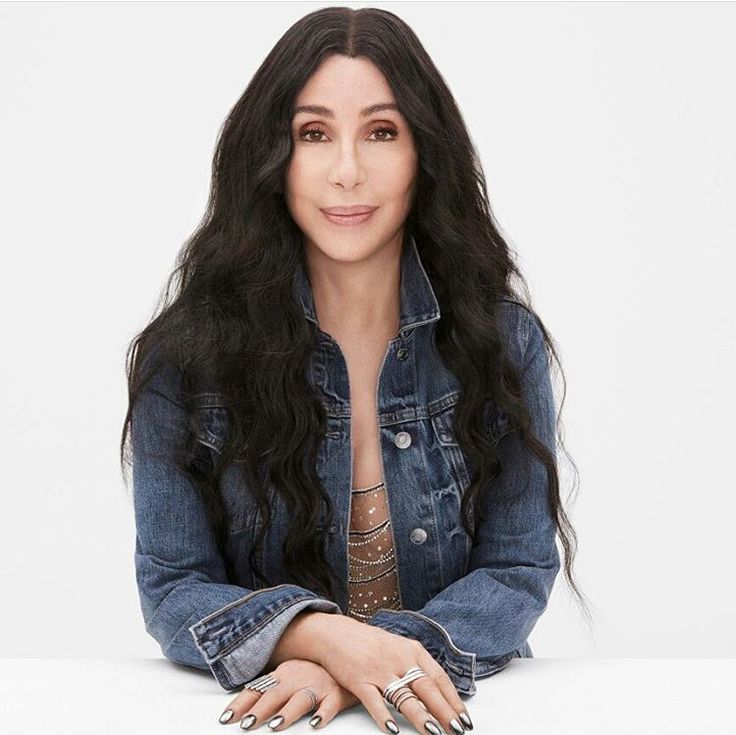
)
(373, 581)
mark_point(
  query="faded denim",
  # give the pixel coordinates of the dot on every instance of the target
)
(472, 607)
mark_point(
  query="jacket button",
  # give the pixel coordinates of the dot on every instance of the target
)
(418, 536)
(402, 440)
(402, 353)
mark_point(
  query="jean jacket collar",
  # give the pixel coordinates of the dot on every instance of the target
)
(418, 302)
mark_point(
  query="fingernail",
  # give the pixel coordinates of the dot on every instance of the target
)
(391, 725)
(247, 722)
(226, 716)
(457, 727)
(274, 722)
(466, 720)
(315, 720)
(430, 727)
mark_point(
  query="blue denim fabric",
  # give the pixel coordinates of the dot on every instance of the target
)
(471, 606)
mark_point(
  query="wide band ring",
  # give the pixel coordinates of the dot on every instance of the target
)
(390, 692)
(262, 683)
(312, 695)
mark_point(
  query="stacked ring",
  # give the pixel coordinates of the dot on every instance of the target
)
(262, 683)
(396, 693)
(402, 695)
(312, 695)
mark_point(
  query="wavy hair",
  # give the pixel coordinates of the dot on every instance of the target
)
(228, 315)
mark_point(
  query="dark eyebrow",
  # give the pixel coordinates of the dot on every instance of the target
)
(326, 112)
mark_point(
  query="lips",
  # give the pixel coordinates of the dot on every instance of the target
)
(349, 211)
(349, 216)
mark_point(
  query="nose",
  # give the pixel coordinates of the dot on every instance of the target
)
(347, 169)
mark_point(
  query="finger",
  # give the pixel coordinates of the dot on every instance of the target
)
(327, 710)
(239, 706)
(375, 704)
(266, 706)
(448, 707)
(436, 705)
(414, 710)
(299, 704)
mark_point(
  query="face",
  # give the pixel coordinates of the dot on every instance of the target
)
(348, 150)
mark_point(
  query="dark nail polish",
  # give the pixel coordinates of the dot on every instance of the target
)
(226, 716)
(247, 722)
(466, 720)
(391, 725)
(457, 727)
(430, 727)
(315, 720)
(274, 722)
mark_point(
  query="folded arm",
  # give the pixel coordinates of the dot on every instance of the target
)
(188, 606)
(477, 624)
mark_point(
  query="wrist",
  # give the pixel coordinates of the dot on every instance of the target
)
(310, 639)
(302, 639)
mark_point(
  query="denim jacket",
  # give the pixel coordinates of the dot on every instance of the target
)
(471, 606)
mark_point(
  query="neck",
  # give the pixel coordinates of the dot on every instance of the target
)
(359, 296)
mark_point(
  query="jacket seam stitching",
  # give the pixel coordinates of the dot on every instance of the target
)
(234, 603)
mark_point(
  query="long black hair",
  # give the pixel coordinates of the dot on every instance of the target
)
(228, 316)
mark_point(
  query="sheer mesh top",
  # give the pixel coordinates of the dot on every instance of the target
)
(373, 581)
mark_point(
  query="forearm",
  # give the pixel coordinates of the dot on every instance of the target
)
(303, 638)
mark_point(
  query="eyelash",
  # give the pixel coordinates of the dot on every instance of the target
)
(380, 129)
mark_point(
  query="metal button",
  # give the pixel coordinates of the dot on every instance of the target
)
(418, 536)
(402, 440)
(402, 353)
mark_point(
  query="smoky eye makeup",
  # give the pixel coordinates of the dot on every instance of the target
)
(378, 131)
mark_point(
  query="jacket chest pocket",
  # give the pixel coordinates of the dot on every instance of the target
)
(453, 459)
(495, 420)
(451, 471)
(210, 424)
(451, 477)
(210, 421)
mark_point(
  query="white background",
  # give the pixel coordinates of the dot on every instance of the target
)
(607, 136)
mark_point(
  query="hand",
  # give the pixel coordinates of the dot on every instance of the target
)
(286, 700)
(365, 659)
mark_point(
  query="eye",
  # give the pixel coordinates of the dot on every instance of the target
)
(381, 130)
(386, 130)
(309, 131)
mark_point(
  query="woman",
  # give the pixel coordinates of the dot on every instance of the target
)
(317, 367)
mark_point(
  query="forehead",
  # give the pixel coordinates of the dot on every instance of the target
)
(343, 86)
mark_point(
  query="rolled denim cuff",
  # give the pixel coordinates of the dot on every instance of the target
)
(463, 667)
(459, 665)
(237, 640)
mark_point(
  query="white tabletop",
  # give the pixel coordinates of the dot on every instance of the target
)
(566, 696)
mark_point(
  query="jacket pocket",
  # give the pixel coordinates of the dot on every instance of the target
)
(210, 424)
(452, 474)
(442, 424)
(210, 421)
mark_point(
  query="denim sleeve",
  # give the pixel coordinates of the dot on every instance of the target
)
(188, 606)
(477, 624)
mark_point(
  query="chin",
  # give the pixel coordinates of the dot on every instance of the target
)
(346, 250)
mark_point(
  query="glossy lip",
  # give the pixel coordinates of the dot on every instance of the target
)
(352, 210)
(361, 215)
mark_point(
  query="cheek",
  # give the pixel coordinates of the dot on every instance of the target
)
(398, 178)
(298, 176)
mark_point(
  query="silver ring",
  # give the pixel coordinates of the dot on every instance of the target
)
(312, 695)
(390, 692)
(262, 683)
(402, 695)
